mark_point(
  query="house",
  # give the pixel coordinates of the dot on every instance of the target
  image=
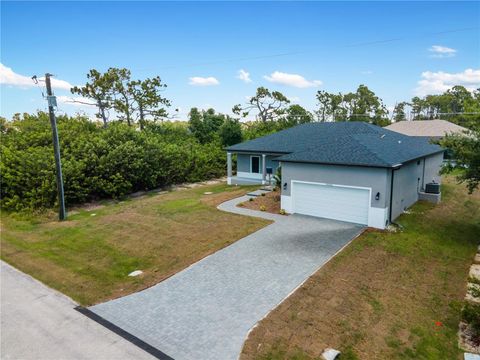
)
(433, 129)
(349, 171)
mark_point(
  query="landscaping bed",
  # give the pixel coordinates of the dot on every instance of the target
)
(268, 201)
(388, 295)
(89, 256)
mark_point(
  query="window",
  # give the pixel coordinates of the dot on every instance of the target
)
(255, 164)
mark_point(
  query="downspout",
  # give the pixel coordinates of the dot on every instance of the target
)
(423, 175)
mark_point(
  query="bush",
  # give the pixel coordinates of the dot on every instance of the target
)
(263, 208)
(97, 162)
(471, 315)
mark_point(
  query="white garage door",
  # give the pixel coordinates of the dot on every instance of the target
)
(331, 202)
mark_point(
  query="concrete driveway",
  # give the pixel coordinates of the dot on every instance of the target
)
(205, 311)
(40, 323)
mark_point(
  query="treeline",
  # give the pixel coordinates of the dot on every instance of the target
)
(361, 105)
(98, 162)
(457, 105)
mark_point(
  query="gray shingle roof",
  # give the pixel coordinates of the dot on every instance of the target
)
(431, 128)
(345, 143)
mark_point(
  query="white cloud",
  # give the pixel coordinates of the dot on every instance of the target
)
(439, 82)
(439, 51)
(203, 81)
(244, 76)
(294, 80)
(294, 99)
(9, 77)
(367, 72)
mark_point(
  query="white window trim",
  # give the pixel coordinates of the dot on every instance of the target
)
(259, 164)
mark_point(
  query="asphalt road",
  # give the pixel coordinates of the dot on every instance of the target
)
(40, 323)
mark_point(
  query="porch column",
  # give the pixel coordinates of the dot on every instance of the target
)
(229, 168)
(264, 169)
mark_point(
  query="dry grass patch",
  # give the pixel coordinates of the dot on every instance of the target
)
(387, 295)
(89, 257)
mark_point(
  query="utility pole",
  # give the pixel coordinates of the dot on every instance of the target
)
(52, 102)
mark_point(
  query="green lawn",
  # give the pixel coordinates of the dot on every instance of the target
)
(387, 295)
(89, 256)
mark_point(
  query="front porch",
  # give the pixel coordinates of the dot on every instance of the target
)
(238, 180)
(252, 169)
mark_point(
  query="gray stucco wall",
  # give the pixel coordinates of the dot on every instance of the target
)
(433, 165)
(375, 178)
(407, 181)
(243, 162)
(411, 178)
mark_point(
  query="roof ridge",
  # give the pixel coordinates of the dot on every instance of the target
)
(381, 159)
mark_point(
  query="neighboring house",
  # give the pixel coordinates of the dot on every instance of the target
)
(433, 129)
(349, 171)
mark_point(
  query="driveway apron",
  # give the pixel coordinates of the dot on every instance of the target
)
(206, 311)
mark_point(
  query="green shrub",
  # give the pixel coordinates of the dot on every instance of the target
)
(471, 315)
(97, 162)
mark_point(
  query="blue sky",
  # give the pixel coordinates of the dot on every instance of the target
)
(397, 49)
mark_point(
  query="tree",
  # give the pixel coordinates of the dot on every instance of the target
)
(230, 132)
(323, 99)
(295, 115)
(133, 100)
(349, 102)
(467, 156)
(329, 105)
(457, 105)
(123, 102)
(362, 105)
(458, 96)
(147, 95)
(399, 112)
(336, 110)
(99, 89)
(368, 106)
(204, 125)
(269, 105)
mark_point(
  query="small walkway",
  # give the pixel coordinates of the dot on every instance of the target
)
(40, 323)
(206, 311)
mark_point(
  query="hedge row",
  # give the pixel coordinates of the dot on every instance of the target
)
(97, 162)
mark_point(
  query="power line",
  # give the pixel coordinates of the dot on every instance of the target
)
(282, 54)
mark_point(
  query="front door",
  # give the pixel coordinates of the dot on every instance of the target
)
(255, 164)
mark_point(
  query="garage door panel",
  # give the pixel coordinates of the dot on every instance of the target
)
(330, 201)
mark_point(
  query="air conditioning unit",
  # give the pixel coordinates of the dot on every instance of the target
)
(432, 188)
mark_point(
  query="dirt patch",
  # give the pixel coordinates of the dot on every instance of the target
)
(269, 203)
